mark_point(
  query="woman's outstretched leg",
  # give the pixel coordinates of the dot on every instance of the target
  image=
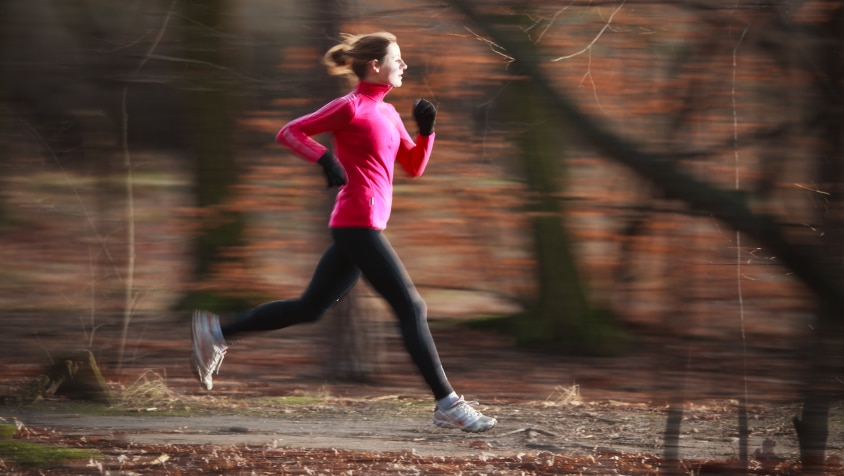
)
(334, 276)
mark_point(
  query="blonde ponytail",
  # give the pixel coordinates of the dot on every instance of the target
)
(352, 56)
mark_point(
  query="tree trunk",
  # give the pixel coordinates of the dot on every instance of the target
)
(210, 128)
(813, 426)
(4, 119)
(355, 347)
(671, 439)
(356, 343)
(561, 314)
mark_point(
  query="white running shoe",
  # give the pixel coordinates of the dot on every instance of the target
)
(209, 347)
(462, 415)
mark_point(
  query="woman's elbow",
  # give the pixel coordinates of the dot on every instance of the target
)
(416, 172)
(279, 138)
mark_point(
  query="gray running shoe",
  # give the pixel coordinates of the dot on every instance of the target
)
(462, 415)
(209, 347)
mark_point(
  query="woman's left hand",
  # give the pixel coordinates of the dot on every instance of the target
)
(425, 115)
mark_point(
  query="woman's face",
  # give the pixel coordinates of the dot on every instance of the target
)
(389, 69)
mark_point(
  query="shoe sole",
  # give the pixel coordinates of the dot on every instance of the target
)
(197, 372)
(451, 426)
(202, 374)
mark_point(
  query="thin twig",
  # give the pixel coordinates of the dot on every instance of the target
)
(494, 47)
(551, 22)
(739, 289)
(812, 189)
(90, 337)
(178, 59)
(594, 40)
(130, 296)
(528, 430)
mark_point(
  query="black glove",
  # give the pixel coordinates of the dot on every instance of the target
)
(425, 114)
(334, 173)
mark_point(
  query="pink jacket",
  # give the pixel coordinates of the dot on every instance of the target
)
(369, 137)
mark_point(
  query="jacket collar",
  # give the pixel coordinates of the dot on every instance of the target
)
(375, 91)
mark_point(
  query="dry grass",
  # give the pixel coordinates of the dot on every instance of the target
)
(149, 392)
(564, 396)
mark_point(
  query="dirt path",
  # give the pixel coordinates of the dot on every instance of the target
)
(387, 425)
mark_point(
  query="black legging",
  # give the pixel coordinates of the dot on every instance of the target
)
(357, 251)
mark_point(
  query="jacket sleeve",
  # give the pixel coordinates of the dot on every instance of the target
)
(413, 156)
(297, 134)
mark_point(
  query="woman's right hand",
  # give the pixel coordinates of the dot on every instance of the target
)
(335, 176)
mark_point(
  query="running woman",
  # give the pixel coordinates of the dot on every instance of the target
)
(369, 138)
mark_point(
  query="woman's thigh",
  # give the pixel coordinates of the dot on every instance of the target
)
(371, 252)
(334, 276)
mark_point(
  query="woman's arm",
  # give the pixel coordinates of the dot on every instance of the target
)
(297, 133)
(414, 156)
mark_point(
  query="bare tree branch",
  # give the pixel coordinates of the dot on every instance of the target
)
(728, 206)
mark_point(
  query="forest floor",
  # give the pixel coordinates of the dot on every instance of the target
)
(274, 411)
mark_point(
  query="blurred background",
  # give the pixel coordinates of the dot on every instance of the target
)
(640, 197)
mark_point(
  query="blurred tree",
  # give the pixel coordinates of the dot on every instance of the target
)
(561, 314)
(4, 119)
(211, 113)
(354, 350)
(821, 387)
